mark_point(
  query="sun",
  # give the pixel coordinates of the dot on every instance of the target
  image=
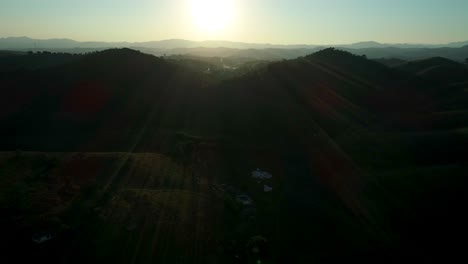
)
(212, 16)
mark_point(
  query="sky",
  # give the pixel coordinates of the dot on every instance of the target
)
(255, 21)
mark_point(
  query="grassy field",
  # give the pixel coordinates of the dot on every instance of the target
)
(147, 207)
(118, 207)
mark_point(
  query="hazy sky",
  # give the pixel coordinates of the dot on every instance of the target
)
(272, 21)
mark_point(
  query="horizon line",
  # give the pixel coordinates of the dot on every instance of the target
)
(231, 41)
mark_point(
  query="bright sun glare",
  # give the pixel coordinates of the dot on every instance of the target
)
(212, 16)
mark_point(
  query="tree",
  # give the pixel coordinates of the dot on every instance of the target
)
(18, 153)
(257, 247)
(466, 61)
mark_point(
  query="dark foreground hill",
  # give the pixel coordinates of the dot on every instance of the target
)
(438, 69)
(126, 157)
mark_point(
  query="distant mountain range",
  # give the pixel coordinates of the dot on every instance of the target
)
(455, 51)
(14, 43)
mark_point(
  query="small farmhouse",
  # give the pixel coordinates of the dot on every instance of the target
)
(267, 188)
(42, 237)
(261, 175)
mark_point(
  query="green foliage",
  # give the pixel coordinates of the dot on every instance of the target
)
(355, 146)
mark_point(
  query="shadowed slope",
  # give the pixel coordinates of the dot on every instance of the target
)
(328, 126)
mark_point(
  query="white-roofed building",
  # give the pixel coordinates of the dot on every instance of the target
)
(267, 188)
(261, 175)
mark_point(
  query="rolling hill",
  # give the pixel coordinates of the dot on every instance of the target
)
(438, 69)
(457, 51)
(141, 153)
